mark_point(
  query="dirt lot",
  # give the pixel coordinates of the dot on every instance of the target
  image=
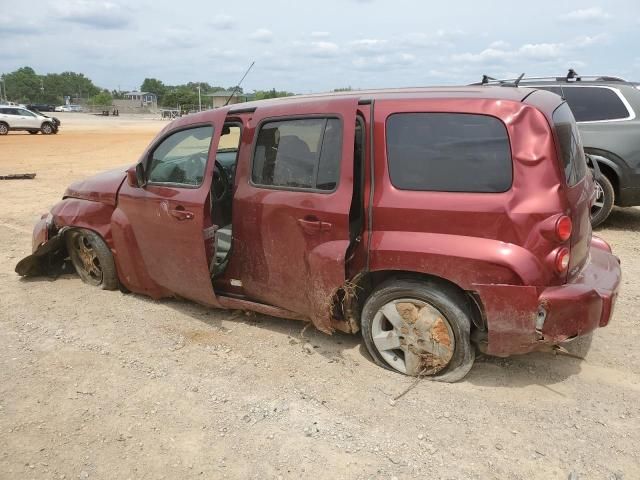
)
(97, 384)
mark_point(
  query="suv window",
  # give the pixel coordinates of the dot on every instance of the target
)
(181, 157)
(448, 152)
(573, 161)
(590, 104)
(302, 153)
(25, 113)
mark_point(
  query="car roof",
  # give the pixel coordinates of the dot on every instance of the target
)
(415, 93)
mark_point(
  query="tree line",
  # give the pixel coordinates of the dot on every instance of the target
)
(25, 86)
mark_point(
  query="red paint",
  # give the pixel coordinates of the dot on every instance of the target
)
(290, 247)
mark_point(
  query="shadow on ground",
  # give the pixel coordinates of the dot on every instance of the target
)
(622, 219)
(542, 368)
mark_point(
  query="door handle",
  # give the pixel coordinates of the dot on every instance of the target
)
(313, 225)
(181, 214)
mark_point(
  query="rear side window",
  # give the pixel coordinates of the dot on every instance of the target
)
(572, 155)
(590, 104)
(448, 152)
(302, 153)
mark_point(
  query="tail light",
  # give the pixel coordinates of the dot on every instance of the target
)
(562, 260)
(563, 228)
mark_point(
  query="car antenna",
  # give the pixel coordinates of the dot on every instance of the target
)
(235, 89)
(517, 81)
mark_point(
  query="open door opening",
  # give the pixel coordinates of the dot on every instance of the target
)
(219, 235)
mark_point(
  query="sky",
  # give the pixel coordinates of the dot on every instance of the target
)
(311, 46)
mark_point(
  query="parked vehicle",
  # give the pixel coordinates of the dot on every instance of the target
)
(15, 118)
(606, 109)
(433, 220)
(41, 107)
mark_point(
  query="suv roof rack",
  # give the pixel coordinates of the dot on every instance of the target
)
(572, 76)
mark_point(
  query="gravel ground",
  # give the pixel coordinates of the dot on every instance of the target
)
(97, 384)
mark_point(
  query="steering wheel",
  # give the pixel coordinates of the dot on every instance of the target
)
(220, 187)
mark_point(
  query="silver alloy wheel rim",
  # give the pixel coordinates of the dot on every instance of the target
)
(599, 202)
(413, 337)
(47, 129)
(3, 129)
(88, 259)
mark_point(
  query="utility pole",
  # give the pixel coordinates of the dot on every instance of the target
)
(199, 100)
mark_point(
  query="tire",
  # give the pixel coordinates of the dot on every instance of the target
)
(4, 128)
(605, 198)
(47, 128)
(432, 325)
(92, 259)
(33, 132)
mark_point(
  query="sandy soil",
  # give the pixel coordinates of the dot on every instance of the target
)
(97, 384)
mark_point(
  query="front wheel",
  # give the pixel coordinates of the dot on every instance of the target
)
(419, 328)
(605, 198)
(46, 129)
(92, 259)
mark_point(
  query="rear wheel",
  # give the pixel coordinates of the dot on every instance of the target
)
(47, 128)
(605, 198)
(92, 259)
(4, 128)
(419, 328)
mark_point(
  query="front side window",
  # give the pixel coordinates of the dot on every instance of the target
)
(181, 157)
(26, 113)
(570, 144)
(302, 153)
(591, 104)
(448, 152)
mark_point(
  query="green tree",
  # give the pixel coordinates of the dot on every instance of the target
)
(273, 93)
(181, 95)
(153, 85)
(103, 99)
(23, 85)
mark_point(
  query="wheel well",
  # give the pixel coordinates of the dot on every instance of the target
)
(608, 172)
(363, 284)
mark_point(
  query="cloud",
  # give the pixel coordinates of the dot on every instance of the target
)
(500, 53)
(223, 22)
(102, 15)
(262, 35)
(592, 14)
(319, 34)
(13, 26)
(396, 60)
(324, 49)
(369, 46)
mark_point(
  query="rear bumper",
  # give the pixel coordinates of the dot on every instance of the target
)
(587, 302)
(523, 319)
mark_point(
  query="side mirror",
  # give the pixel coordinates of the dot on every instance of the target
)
(135, 176)
(140, 177)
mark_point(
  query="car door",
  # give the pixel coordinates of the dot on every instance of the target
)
(291, 206)
(169, 215)
(26, 119)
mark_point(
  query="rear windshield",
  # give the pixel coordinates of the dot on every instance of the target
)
(448, 152)
(570, 145)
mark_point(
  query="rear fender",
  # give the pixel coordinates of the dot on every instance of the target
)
(462, 260)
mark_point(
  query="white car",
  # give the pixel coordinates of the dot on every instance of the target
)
(63, 108)
(15, 118)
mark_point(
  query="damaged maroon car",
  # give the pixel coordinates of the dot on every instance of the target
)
(434, 221)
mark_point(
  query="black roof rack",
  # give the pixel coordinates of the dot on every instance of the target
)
(572, 76)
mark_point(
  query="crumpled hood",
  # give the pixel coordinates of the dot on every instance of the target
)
(102, 187)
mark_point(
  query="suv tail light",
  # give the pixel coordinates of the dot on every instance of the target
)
(563, 228)
(562, 260)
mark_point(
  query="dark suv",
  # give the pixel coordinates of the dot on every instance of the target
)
(606, 109)
(429, 219)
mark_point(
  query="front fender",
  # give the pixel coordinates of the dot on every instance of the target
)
(462, 260)
(95, 216)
